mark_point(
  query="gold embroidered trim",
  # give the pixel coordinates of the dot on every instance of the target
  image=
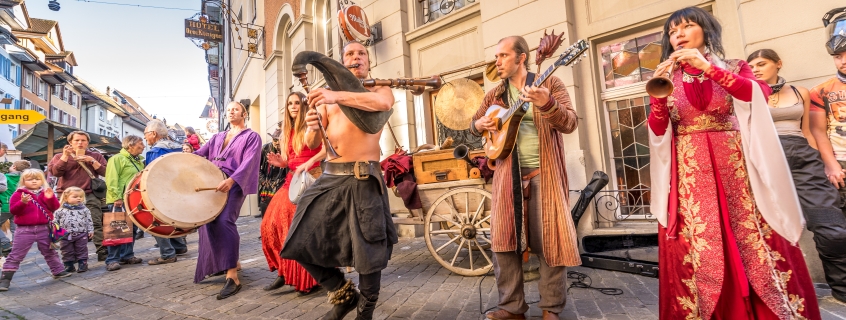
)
(761, 231)
(694, 226)
(705, 122)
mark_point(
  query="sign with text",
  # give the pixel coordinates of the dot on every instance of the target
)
(203, 30)
(20, 116)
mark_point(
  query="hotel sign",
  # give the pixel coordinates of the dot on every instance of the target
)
(203, 30)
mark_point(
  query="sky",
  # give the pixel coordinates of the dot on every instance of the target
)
(142, 52)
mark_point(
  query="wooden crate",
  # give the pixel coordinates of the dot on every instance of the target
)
(441, 166)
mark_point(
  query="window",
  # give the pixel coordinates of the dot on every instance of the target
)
(27, 105)
(41, 110)
(54, 114)
(62, 118)
(57, 89)
(632, 60)
(28, 81)
(102, 114)
(42, 89)
(73, 121)
(626, 64)
(436, 9)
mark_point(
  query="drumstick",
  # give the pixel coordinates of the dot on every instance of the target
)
(204, 189)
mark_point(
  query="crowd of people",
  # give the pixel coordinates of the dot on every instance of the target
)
(76, 203)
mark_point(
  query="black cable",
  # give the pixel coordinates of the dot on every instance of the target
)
(580, 283)
(137, 5)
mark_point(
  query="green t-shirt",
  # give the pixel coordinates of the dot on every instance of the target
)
(12, 179)
(527, 135)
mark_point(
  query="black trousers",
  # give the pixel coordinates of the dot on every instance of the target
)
(821, 206)
(332, 279)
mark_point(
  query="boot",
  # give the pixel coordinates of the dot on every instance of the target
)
(83, 266)
(365, 308)
(69, 267)
(345, 300)
(278, 283)
(6, 280)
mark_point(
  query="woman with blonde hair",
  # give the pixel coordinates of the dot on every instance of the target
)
(297, 157)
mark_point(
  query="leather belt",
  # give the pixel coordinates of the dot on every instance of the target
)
(362, 170)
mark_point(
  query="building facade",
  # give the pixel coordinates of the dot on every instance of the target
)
(422, 38)
(100, 113)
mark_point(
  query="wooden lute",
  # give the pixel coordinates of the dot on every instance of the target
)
(500, 142)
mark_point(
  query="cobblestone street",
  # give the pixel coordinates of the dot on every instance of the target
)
(413, 286)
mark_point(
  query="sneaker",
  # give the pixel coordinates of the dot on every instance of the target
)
(6, 248)
(114, 266)
(63, 274)
(158, 261)
(133, 260)
(181, 252)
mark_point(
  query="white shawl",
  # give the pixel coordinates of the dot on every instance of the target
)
(769, 174)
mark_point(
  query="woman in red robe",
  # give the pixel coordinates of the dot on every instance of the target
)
(723, 253)
(280, 211)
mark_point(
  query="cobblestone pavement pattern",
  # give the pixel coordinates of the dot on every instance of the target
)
(413, 286)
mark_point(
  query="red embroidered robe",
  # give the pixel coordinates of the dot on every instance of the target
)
(721, 260)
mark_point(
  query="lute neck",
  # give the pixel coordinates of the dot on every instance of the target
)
(539, 80)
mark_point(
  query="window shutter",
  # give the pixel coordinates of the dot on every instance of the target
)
(18, 76)
(17, 104)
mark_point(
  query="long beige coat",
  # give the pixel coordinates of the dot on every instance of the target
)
(560, 245)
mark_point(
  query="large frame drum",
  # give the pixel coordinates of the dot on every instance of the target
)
(170, 198)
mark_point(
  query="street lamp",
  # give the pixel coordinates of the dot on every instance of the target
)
(54, 5)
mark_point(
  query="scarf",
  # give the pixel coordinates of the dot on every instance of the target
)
(778, 85)
(841, 77)
(73, 207)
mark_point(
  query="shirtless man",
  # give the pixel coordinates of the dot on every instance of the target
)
(343, 219)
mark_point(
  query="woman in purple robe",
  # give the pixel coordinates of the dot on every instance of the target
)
(237, 152)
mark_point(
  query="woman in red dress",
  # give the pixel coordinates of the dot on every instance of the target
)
(727, 235)
(280, 211)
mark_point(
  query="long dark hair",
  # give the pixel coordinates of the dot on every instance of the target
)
(711, 29)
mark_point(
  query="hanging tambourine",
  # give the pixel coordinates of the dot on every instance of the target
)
(354, 23)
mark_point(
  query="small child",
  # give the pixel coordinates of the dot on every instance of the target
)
(74, 217)
(32, 205)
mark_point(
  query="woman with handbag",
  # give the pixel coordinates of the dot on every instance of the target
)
(298, 158)
(33, 205)
(79, 167)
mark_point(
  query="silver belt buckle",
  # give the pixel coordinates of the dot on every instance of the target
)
(357, 170)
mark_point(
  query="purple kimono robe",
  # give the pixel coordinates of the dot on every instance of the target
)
(219, 239)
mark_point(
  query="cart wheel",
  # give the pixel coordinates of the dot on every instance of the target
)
(461, 247)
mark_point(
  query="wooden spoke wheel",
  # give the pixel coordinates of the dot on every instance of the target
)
(457, 231)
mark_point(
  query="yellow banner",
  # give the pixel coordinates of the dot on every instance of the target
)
(20, 116)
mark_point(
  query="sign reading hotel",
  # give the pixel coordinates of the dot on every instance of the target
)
(203, 30)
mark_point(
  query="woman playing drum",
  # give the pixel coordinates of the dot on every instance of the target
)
(280, 211)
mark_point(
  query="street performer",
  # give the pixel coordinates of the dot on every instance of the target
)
(237, 152)
(343, 219)
(530, 199)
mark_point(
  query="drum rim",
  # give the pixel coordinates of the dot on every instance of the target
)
(159, 215)
(148, 229)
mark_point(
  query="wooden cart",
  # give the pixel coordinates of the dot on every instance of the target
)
(456, 224)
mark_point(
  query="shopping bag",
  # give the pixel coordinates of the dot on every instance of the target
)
(117, 228)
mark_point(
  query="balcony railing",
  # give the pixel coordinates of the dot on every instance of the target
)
(435, 9)
(621, 205)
